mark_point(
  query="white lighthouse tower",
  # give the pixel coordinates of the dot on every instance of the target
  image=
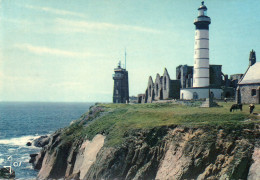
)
(201, 49)
(201, 87)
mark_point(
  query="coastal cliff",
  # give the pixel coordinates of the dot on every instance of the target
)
(155, 141)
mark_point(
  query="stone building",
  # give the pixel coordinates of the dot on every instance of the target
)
(216, 76)
(248, 90)
(171, 88)
(145, 97)
(184, 73)
(158, 87)
(133, 99)
(230, 85)
(163, 88)
(218, 79)
(140, 98)
(150, 90)
(234, 79)
(166, 83)
(121, 88)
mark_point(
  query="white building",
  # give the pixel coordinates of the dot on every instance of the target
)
(248, 90)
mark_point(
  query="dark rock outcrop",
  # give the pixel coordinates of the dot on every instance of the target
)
(5, 173)
(41, 141)
(32, 156)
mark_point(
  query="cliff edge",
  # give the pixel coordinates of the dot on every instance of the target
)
(154, 141)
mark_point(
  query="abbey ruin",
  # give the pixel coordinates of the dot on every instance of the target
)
(200, 81)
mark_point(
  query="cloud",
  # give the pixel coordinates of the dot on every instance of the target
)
(55, 11)
(15, 21)
(68, 84)
(82, 26)
(51, 51)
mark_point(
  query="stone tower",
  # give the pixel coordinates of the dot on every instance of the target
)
(201, 48)
(121, 88)
(252, 58)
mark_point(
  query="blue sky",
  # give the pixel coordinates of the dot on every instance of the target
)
(66, 50)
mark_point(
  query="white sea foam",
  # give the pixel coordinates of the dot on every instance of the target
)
(11, 149)
(1, 161)
(25, 158)
(21, 141)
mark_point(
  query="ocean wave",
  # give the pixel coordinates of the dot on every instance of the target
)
(20, 141)
(11, 149)
(25, 158)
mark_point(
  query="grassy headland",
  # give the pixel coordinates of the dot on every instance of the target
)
(115, 120)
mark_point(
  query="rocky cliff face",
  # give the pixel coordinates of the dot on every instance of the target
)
(169, 152)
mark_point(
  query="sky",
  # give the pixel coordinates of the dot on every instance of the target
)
(66, 50)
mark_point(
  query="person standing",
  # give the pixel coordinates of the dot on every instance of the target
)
(251, 108)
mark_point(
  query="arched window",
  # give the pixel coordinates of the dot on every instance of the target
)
(195, 95)
(157, 89)
(212, 94)
(164, 83)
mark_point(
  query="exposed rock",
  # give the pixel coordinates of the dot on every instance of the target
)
(41, 141)
(137, 158)
(158, 153)
(37, 160)
(32, 158)
(254, 171)
(28, 144)
(5, 173)
(87, 155)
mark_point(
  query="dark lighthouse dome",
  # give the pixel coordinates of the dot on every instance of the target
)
(202, 6)
(202, 21)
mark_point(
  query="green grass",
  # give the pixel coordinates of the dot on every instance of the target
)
(121, 118)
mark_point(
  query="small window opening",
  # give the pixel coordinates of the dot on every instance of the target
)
(253, 92)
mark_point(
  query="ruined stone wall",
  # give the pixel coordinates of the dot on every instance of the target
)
(164, 88)
(150, 90)
(184, 73)
(144, 98)
(234, 79)
(166, 85)
(175, 88)
(228, 92)
(140, 98)
(158, 88)
(216, 80)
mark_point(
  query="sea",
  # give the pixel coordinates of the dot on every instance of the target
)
(21, 122)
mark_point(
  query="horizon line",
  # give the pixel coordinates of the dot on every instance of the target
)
(53, 102)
